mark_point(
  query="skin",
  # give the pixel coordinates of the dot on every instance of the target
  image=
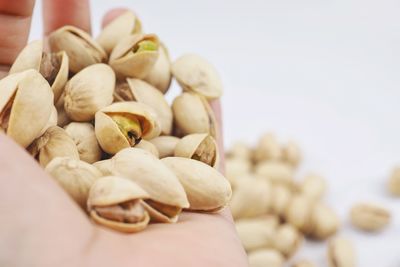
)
(41, 226)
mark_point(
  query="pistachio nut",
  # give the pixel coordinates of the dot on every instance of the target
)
(298, 213)
(239, 150)
(200, 147)
(205, 187)
(53, 66)
(167, 196)
(341, 253)
(195, 74)
(134, 56)
(82, 133)
(369, 217)
(291, 153)
(267, 149)
(51, 122)
(257, 233)
(124, 124)
(266, 257)
(146, 145)
(287, 239)
(276, 172)
(62, 117)
(124, 25)
(236, 168)
(142, 92)
(74, 176)
(160, 75)
(106, 167)
(26, 103)
(251, 197)
(55, 142)
(313, 186)
(303, 263)
(81, 49)
(192, 114)
(325, 222)
(165, 145)
(280, 199)
(85, 93)
(117, 203)
(394, 182)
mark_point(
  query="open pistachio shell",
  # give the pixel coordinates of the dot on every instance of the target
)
(81, 49)
(197, 75)
(124, 124)
(26, 103)
(135, 55)
(142, 92)
(146, 145)
(82, 133)
(167, 196)
(75, 176)
(160, 75)
(116, 203)
(86, 92)
(200, 147)
(29, 57)
(51, 122)
(206, 188)
(62, 117)
(165, 145)
(55, 142)
(122, 26)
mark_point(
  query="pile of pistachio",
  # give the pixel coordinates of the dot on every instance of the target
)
(274, 212)
(92, 112)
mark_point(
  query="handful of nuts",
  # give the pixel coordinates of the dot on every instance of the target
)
(92, 112)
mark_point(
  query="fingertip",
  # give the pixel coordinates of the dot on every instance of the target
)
(113, 14)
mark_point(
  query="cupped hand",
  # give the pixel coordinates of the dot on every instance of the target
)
(39, 223)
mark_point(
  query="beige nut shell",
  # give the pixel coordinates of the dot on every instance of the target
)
(165, 145)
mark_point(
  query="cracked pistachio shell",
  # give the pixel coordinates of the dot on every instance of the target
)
(268, 149)
(128, 61)
(167, 195)
(160, 75)
(55, 142)
(165, 145)
(341, 253)
(266, 258)
(125, 24)
(81, 49)
(195, 74)
(146, 145)
(82, 133)
(86, 93)
(325, 222)
(109, 132)
(26, 103)
(192, 114)
(52, 66)
(257, 233)
(276, 172)
(394, 182)
(369, 217)
(51, 122)
(75, 176)
(206, 188)
(116, 203)
(142, 92)
(287, 239)
(313, 186)
(251, 197)
(200, 147)
(62, 117)
(298, 213)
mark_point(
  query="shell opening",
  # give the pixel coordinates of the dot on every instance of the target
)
(94, 52)
(129, 126)
(50, 66)
(167, 210)
(6, 113)
(123, 92)
(145, 45)
(126, 212)
(37, 145)
(206, 152)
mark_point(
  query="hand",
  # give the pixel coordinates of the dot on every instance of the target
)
(41, 226)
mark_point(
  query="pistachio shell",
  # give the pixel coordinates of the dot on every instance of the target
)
(146, 145)
(106, 167)
(369, 217)
(113, 191)
(85, 93)
(266, 258)
(268, 149)
(51, 122)
(235, 169)
(26, 103)
(303, 263)
(206, 188)
(128, 63)
(393, 184)
(313, 186)
(291, 153)
(122, 26)
(324, 221)
(155, 178)
(239, 150)
(195, 74)
(200, 147)
(299, 212)
(62, 117)
(75, 176)
(108, 132)
(165, 145)
(281, 197)
(55, 142)
(29, 57)
(275, 172)
(160, 75)
(81, 49)
(145, 93)
(82, 133)
(341, 253)
(287, 240)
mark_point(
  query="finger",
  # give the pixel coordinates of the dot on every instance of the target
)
(58, 13)
(15, 21)
(216, 107)
(111, 15)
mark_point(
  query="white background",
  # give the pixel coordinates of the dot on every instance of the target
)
(326, 73)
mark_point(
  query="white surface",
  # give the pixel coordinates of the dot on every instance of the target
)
(325, 73)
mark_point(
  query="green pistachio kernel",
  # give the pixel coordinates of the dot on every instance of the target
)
(130, 127)
(146, 45)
